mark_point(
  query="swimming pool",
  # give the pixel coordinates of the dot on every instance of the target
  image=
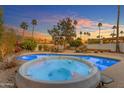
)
(101, 63)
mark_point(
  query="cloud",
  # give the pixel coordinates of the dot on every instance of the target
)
(107, 25)
(85, 23)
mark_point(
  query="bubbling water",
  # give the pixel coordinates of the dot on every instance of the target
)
(58, 70)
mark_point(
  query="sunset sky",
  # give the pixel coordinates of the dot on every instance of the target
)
(87, 16)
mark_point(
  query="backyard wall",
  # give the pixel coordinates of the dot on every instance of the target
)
(111, 47)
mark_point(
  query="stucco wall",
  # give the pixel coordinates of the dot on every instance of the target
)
(112, 47)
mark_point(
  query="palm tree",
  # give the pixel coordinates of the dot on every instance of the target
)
(114, 28)
(80, 34)
(85, 33)
(34, 23)
(24, 26)
(88, 33)
(121, 32)
(99, 25)
(117, 35)
(112, 34)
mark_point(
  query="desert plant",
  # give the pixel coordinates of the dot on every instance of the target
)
(54, 49)
(40, 47)
(3, 51)
(29, 44)
(7, 43)
(46, 48)
(76, 43)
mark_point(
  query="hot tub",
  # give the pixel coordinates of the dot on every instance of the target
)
(58, 72)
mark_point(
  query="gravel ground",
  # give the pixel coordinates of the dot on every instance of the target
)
(7, 75)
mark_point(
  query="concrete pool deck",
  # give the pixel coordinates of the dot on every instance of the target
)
(116, 72)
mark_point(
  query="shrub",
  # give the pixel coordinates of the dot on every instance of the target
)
(46, 48)
(40, 47)
(82, 48)
(29, 44)
(7, 44)
(93, 41)
(76, 43)
(54, 49)
(17, 49)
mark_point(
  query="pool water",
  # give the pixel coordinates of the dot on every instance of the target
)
(58, 70)
(100, 62)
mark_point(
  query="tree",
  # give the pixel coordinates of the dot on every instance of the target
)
(114, 28)
(121, 32)
(54, 33)
(59, 40)
(87, 33)
(65, 27)
(24, 26)
(112, 35)
(117, 35)
(99, 25)
(34, 23)
(80, 34)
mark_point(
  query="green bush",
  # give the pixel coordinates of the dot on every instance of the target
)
(54, 49)
(46, 48)
(29, 44)
(40, 47)
(93, 41)
(76, 43)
